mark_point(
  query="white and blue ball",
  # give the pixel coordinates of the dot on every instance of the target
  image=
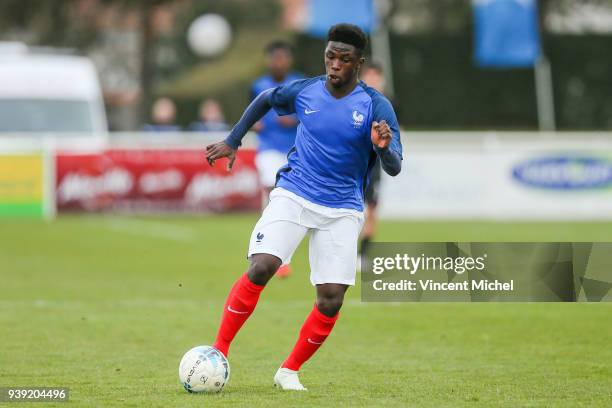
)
(209, 35)
(204, 369)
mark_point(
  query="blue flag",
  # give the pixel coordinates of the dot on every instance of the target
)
(325, 13)
(506, 33)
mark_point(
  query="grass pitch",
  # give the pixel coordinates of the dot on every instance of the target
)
(107, 306)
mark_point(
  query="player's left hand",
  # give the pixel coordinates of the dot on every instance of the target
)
(381, 134)
(219, 150)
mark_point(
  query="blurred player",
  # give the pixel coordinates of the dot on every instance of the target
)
(276, 134)
(344, 126)
(372, 74)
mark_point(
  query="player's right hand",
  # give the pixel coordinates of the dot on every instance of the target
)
(381, 134)
(219, 150)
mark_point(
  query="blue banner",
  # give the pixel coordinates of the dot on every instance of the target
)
(506, 33)
(325, 13)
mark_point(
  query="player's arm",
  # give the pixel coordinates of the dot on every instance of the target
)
(386, 138)
(290, 121)
(281, 98)
(227, 148)
(258, 126)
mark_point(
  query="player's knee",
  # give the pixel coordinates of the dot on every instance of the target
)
(262, 268)
(330, 305)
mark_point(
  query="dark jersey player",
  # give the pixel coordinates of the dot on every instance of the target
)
(374, 77)
(275, 134)
(344, 126)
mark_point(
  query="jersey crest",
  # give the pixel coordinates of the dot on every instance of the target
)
(357, 119)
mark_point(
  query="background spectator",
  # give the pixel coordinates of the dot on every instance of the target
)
(163, 116)
(211, 118)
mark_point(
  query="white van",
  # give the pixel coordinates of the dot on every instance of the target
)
(50, 93)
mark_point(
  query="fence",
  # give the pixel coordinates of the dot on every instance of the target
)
(448, 175)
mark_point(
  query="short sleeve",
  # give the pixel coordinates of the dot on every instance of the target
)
(282, 98)
(383, 110)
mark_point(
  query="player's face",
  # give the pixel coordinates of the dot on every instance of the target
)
(279, 62)
(342, 62)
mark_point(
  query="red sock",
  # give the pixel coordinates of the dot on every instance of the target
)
(315, 330)
(240, 303)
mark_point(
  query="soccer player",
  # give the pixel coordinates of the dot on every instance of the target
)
(276, 134)
(373, 75)
(344, 126)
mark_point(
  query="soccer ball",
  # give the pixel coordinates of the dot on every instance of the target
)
(204, 369)
(209, 35)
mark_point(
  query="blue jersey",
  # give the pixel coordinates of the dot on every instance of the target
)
(273, 135)
(333, 155)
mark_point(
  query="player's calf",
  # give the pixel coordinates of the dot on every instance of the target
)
(240, 304)
(314, 332)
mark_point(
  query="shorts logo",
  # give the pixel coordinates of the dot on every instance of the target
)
(259, 237)
(357, 119)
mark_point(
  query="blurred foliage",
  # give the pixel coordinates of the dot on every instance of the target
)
(239, 12)
(44, 21)
(227, 79)
(427, 15)
(436, 82)
(437, 85)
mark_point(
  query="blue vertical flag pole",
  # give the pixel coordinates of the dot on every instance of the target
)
(507, 36)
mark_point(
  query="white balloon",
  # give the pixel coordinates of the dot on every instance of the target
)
(209, 35)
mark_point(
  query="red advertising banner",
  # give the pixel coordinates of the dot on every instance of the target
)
(153, 180)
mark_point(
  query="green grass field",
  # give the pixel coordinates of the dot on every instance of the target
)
(107, 306)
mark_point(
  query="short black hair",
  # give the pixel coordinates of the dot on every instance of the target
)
(348, 34)
(278, 45)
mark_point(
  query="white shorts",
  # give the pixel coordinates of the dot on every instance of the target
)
(268, 162)
(333, 236)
